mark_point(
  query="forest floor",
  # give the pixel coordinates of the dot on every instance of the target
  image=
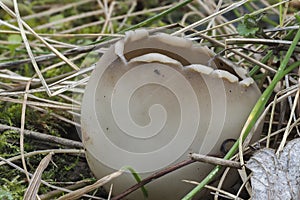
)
(48, 50)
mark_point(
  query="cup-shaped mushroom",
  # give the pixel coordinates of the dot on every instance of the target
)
(152, 100)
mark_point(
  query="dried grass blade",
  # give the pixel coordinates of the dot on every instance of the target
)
(71, 86)
(44, 182)
(254, 115)
(55, 151)
(55, 10)
(242, 17)
(41, 104)
(80, 72)
(23, 116)
(35, 182)
(55, 51)
(288, 127)
(78, 193)
(30, 54)
(206, 19)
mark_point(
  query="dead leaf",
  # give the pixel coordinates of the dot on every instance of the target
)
(276, 178)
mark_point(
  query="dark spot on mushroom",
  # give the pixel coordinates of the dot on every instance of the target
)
(226, 145)
(104, 96)
(107, 128)
(156, 71)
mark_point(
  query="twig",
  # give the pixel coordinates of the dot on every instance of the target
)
(153, 177)
(215, 160)
(45, 137)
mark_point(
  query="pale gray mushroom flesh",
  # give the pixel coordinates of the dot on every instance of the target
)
(152, 100)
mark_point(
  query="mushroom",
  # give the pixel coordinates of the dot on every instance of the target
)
(152, 100)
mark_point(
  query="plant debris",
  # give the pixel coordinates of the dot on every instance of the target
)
(276, 177)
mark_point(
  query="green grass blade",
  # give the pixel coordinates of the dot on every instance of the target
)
(280, 14)
(137, 178)
(264, 60)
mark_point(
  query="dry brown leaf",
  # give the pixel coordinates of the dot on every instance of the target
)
(276, 178)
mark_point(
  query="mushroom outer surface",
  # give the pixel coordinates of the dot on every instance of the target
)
(152, 100)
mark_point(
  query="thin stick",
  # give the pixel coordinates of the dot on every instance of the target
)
(153, 177)
(45, 137)
(215, 160)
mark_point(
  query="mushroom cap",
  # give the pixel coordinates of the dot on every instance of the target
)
(152, 100)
